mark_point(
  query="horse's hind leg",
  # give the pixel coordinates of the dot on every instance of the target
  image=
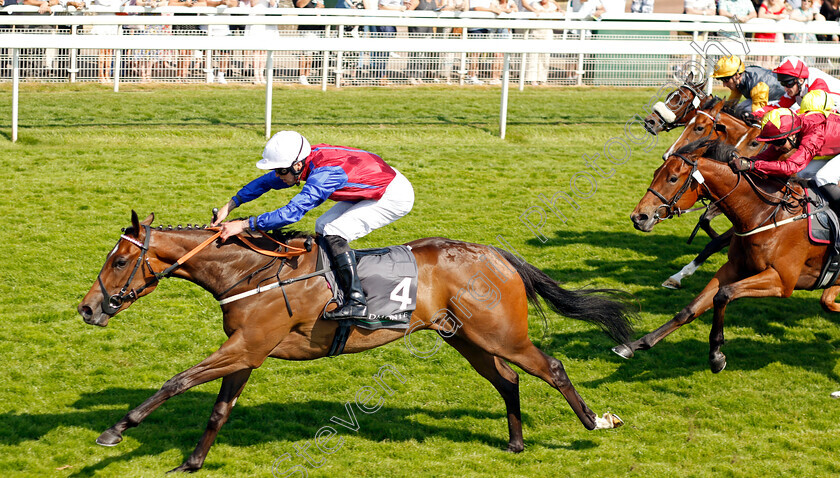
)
(548, 368)
(232, 386)
(503, 378)
(827, 299)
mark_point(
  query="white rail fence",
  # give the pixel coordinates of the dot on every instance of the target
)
(620, 50)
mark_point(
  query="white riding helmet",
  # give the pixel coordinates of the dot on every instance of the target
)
(283, 150)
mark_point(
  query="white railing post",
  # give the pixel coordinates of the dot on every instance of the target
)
(503, 108)
(73, 57)
(269, 80)
(117, 68)
(462, 74)
(208, 65)
(339, 59)
(15, 91)
(325, 62)
(522, 65)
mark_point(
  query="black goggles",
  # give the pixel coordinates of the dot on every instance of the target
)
(724, 79)
(284, 171)
(778, 142)
(788, 83)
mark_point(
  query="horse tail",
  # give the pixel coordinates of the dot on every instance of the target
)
(609, 309)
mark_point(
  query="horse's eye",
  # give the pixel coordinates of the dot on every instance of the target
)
(754, 144)
(120, 263)
(673, 179)
(699, 129)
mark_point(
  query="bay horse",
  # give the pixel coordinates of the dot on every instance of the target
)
(285, 323)
(713, 121)
(765, 260)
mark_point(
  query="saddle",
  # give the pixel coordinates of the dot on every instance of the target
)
(823, 228)
(389, 280)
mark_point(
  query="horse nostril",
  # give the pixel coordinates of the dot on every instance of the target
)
(86, 312)
(638, 218)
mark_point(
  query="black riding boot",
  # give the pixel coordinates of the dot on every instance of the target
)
(832, 195)
(355, 305)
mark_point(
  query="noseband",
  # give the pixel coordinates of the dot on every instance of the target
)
(699, 96)
(112, 303)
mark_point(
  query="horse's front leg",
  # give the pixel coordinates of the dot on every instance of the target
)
(235, 355)
(700, 304)
(766, 283)
(232, 386)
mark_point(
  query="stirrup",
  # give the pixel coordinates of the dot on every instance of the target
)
(347, 311)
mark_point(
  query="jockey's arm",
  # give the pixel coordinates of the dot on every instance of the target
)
(734, 97)
(808, 148)
(760, 95)
(318, 187)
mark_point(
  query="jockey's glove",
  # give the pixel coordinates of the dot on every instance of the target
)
(740, 163)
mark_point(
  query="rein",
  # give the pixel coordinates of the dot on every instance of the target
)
(783, 202)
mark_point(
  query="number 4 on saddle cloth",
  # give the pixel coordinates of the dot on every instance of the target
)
(389, 280)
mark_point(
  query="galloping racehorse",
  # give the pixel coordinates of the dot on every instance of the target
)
(770, 255)
(284, 322)
(712, 122)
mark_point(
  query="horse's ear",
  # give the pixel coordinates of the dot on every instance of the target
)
(149, 219)
(135, 224)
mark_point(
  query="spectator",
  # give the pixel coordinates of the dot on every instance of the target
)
(260, 33)
(311, 31)
(479, 6)
(105, 57)
(806, 12)
(380, 58)
(739, 10)
(448, 32)
(184, 59)
(538, 63)
(504, 6)
(641, 6)
(699, 7)
(146, 59)
(593, 9)
(222, 57)
(422, 64)
(772, 10)
(830, 11)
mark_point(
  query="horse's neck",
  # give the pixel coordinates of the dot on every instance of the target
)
(217, 268)
(738, 200)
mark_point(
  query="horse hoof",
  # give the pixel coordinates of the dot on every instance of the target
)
(672, 284)
(609, 420)
(184, 468)
(109, 438)
(623, 351)
(835, 394)
(515, 447)
(718, 363)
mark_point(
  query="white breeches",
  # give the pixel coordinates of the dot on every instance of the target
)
(822, 171)
(352, 220)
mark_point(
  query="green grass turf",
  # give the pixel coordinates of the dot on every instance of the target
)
(87, 156)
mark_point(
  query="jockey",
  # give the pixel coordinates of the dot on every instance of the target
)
(369, 194)
(759, 85)
(814, 137)
(798, 79)
(817, 101)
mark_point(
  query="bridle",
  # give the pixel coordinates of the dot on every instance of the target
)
(670, 205)
(699, 97)
(111, 303)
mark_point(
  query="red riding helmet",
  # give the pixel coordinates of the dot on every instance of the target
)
(779, 123)
(792, 66)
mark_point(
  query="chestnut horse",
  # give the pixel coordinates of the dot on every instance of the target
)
(712, 121)
(769, 262)
(285, 323)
